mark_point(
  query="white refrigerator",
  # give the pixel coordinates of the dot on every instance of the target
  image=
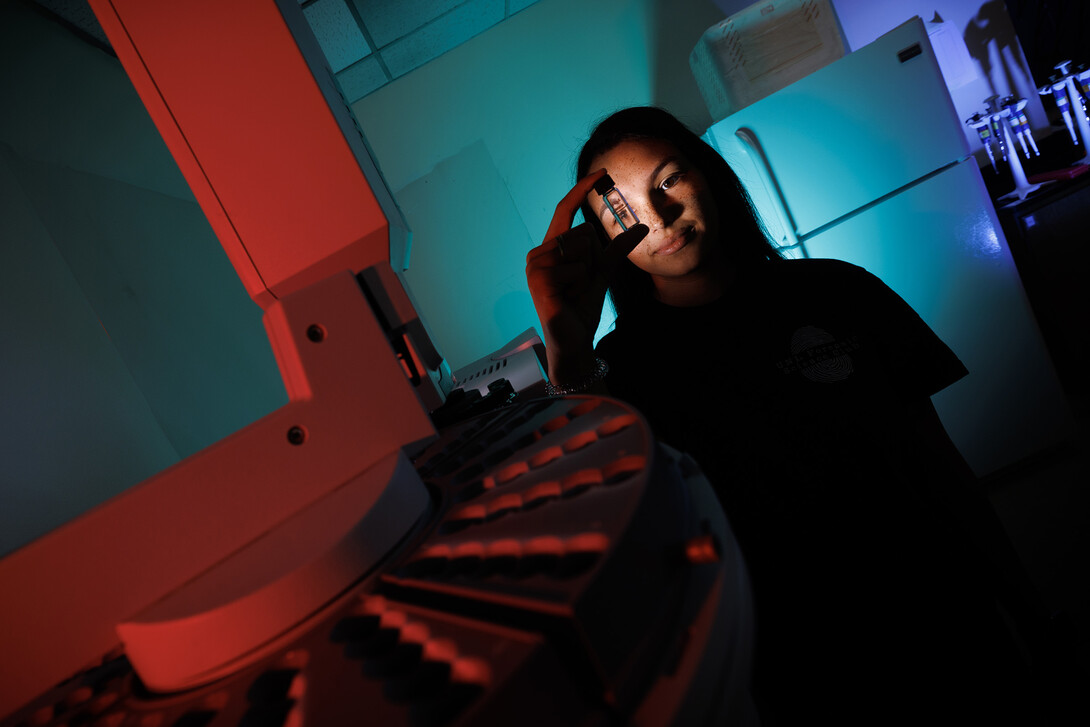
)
(865, 161)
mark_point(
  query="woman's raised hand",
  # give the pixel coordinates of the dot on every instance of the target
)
(568, 275)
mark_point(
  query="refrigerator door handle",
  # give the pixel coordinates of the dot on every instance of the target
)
(755, 152)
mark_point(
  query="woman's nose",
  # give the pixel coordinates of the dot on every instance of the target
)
(657, 214)
(651, 217)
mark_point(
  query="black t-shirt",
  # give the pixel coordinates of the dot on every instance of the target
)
(794, 392)
(789, 391)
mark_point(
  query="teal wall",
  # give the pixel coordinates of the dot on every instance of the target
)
(478, 146)
(126, 340)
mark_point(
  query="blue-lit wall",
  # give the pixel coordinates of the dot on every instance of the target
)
(479, 145)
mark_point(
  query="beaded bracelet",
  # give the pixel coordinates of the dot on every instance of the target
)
(601, 368)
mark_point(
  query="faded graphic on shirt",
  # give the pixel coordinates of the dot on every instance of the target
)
(818, 356)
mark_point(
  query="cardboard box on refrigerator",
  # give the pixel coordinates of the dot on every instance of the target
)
(763, 48)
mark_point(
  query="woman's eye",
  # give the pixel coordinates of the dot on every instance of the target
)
(671, 181)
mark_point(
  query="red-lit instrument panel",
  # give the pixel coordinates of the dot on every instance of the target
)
(551, 583)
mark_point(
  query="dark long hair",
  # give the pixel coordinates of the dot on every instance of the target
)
(632, 288)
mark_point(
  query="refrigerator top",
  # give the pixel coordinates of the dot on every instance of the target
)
(852, 132)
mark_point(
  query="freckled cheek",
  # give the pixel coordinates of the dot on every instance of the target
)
(694, 200)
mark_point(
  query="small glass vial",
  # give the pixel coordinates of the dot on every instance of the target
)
(616, 203)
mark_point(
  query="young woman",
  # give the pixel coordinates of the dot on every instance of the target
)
(802, 388)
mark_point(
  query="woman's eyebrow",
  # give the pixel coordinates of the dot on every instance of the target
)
(603, 207)
(662, 165)
(605, 214)
(597, 204)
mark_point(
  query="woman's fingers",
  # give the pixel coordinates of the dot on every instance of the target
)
(568, 273)
(624, 243)
(576, 244)
(565, 272)
(567, 207)
(575, 258)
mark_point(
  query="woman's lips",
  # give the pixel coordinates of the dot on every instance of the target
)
(675, 243)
